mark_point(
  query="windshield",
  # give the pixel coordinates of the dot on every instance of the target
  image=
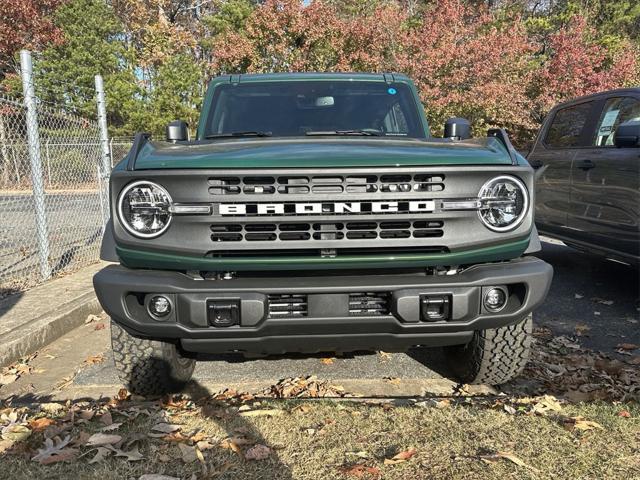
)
(299, 108)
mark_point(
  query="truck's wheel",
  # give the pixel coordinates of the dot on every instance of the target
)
(149, 367)
(493, 356)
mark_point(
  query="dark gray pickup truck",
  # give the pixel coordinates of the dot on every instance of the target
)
(587, 157)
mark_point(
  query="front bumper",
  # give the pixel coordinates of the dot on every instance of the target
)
(329, 324)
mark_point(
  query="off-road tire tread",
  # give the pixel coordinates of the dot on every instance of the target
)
(149, 367)
(494, 356)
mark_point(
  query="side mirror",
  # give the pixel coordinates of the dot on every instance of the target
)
(627, 134)
(177, 131)
(457, 128)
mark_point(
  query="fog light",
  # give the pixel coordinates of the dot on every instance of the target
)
(160, 306)
(495, 299)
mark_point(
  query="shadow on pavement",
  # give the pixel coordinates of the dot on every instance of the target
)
(9, 298)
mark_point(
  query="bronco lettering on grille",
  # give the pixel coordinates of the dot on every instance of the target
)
(323, 208)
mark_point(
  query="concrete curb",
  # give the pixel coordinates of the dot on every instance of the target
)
(41, 331)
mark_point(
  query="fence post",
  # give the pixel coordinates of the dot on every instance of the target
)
(33, 137)
(104, 144)
(111, 151)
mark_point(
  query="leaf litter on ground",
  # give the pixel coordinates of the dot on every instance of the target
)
(492, 457)
(55, 450)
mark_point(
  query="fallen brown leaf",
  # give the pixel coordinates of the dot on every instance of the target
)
(360, 471)
(112, 427)
(132, 455)
(579, 423)
(55, 450)
(233, 443)
(16, 433)
(198, 436)
(106, 418)
(199, 455)
(102, 439)
(53, 408)
(493, 457)
(82, 439)
(543, 405)
(166, 427)
(93, 359)
(187, 453)
(384, 355)
(204, 445)
(86, 414)
(122, 395)
(627, 346)
(39, 424)
(257, 452)
(5, 445)
(101, 454)
(100, 326)
(401, 457)
(326, 361)
(175, 437)
(92, 318)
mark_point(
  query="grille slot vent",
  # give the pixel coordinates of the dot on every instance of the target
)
(296, 231)
(368, 304)
(287, 306)
(323, 184)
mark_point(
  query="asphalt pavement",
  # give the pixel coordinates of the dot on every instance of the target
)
(74, 221)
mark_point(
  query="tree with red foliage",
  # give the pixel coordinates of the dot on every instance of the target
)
(574, 64)
(465, 59)
(25, 24)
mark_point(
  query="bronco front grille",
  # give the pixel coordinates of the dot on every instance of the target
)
(368, 304)
(287, 306)
(324, 184)
(346, 230)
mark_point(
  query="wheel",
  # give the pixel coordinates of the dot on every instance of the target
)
(149, 367)
(493, 356)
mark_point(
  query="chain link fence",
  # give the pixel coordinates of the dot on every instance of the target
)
(75, 196)
(118, 148)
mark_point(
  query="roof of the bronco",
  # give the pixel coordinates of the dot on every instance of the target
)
(264, 77)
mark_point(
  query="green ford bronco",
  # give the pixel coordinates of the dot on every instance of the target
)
(316, 213)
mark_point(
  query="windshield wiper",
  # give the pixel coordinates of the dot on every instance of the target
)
(249, 133)
(367, 132)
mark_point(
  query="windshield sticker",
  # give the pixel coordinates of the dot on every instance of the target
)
(392, 91)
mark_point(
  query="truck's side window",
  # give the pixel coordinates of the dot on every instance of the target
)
(567, 125)
(616, 111)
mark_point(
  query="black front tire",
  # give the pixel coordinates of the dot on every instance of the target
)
(494, 356)
(149, 367)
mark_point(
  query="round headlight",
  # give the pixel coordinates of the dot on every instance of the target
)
(504, 202)
(143, 208)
